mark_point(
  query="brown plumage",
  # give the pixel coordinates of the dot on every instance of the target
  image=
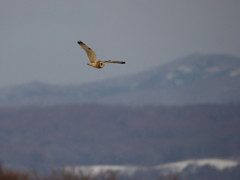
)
(93, 58)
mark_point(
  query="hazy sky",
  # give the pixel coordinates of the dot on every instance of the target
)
(38, 39)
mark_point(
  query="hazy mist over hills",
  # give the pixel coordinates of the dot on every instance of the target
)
(167, 110)
(132, 120)
(57, 136)
(192, 79)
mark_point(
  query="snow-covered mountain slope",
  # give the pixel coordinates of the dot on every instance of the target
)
(164, 169)
(193, 79)
(178, 167)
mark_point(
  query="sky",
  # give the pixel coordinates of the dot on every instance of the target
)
(38, 39)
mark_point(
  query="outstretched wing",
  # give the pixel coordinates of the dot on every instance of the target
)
(118, 62)
(90, 53)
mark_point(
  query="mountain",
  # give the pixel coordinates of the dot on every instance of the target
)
(45, 137)
(188, 168)
(193, 79)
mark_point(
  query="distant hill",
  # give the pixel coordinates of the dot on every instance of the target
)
(189, 169)
(46, 137)
(193, 79)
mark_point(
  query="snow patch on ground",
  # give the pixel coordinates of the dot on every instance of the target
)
(235, 73)
(178, 82)
(99, 169)
(175, 167)
(169, 75)
(185, 69)
(213, 69)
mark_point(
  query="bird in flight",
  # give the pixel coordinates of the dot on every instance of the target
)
(93, 58)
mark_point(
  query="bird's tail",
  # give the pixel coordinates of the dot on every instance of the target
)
(118, 62)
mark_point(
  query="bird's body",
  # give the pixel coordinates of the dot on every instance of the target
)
(93, 58)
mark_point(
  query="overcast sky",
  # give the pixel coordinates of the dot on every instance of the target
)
(38, 39)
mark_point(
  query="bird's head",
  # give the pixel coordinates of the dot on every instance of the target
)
(100, 64)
